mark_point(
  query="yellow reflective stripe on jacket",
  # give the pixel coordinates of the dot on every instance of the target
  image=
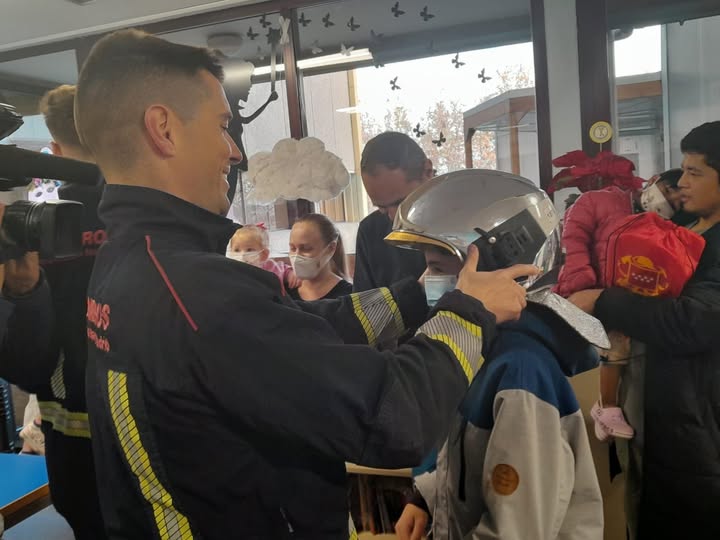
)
(457, 351)
(462, 337)
(379, 315)
(72, 424)
(364, 321)
(171, 524)
(394, 309)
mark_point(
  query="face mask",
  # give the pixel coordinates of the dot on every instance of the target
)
(653, 200)
(309, 267)
(248, 257)
(436, 286)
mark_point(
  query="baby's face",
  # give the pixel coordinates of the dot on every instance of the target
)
(672, 195)
(245, 244)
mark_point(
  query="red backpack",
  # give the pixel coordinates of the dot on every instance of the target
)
(651, 256)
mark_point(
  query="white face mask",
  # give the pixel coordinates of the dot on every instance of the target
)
(436, 286)
(309, 267)
(248, 257)
(653, 200)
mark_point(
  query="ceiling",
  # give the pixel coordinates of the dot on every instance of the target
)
(32, 22)
(57, 68)
(456, 25)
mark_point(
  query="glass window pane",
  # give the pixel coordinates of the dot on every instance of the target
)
(667, 81)
(246, 47)
(434, 74)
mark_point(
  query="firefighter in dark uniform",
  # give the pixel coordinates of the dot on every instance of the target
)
(220, 408)
(57, 373)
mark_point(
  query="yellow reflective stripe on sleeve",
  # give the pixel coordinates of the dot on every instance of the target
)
(394, 309)
(72, 424)
(57, 381)
(474, 329)
(379, 315)
(462, 337)
(171, 524)
(362, 317)
(457, 351)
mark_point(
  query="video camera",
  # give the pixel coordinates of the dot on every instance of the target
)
(53, 228)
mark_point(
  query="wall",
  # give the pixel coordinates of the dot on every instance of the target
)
(324, 95)
(693, 78)
(645, 151)
(529, 164)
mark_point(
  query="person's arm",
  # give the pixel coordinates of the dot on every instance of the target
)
(375, 316)
(297, 382)
(534, 475)
(577, 239)
(363, 277)
(413, 522)
(26, 357)
(304, 386)
(687, 325)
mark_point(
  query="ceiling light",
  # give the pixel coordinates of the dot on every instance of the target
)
(322, 61)
(229, 44)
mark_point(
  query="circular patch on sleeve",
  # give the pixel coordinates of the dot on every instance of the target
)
(505, 479)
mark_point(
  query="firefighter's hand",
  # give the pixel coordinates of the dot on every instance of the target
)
(586, 300)
(22, 275)
(498, 291)
(412, 523)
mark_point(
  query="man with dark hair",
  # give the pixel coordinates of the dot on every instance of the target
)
(219, 407)
(392, 166)
(670, 394)
(57, 376)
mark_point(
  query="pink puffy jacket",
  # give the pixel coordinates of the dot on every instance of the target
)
(588, 224)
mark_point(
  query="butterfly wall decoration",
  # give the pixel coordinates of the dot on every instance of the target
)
(394, 85)
(440, 140)
(396, 11)
(316, 47)
(426, 15)
(303, 20)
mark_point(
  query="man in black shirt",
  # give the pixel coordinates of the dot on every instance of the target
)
(392, 166)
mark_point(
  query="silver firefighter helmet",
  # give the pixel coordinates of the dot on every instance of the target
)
(506, 216)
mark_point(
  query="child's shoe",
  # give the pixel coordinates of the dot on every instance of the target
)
(610, 422)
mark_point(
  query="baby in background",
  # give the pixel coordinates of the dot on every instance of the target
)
(251, 245)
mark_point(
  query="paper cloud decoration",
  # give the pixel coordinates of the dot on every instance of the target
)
(296, 170)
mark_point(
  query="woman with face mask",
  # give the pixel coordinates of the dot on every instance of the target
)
(318, 259)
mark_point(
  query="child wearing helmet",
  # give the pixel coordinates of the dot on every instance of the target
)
(517, 462)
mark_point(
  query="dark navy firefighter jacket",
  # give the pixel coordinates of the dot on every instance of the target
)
(221, 409)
